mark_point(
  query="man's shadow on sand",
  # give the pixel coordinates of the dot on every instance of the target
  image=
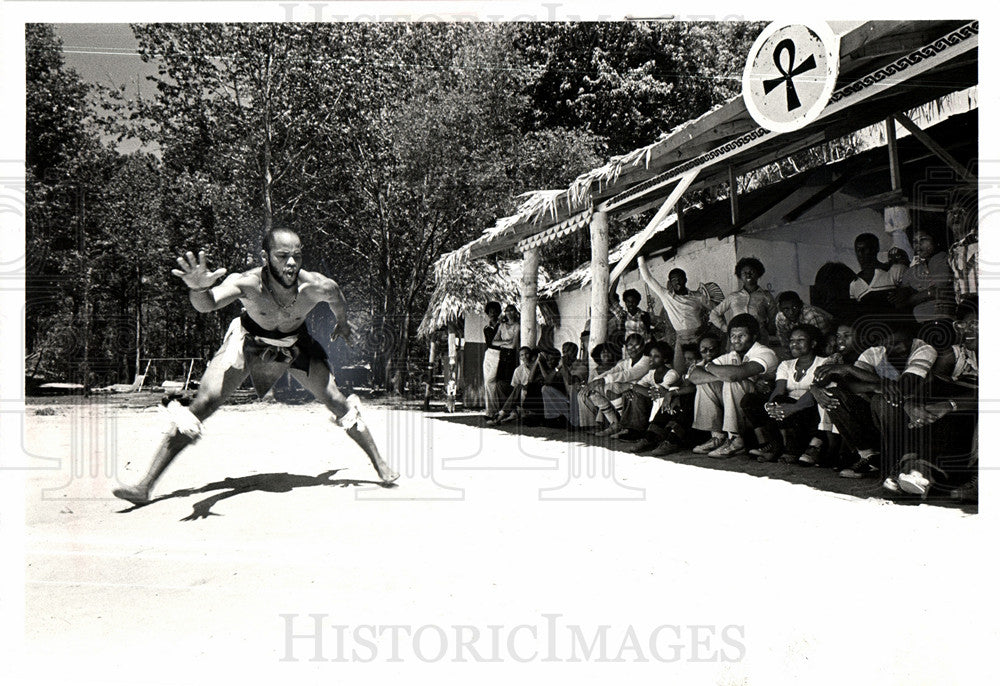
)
(267, 483)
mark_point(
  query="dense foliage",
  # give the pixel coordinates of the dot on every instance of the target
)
(383, 145)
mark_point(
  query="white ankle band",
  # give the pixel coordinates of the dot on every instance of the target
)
(352, 418)
(183, 420)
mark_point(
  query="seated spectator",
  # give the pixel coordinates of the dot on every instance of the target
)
(943, 456)
(749, 299)
(845, 349)
(792, 312)
(841, 349)
(740, 371)
(605, 358)
(672, 408)
(785, 421)
(604, 391)
(927, 287)
(875, 280)
(867, 402)
(559, 395)
(525, 400)
(637, 396)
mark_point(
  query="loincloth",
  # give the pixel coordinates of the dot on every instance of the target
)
(266, 355)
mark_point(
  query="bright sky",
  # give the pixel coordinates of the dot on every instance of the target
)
(106, 53)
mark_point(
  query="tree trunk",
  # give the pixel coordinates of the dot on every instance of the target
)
(267, 179)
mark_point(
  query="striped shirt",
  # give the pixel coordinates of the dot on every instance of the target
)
(919, 362)
(963, 258)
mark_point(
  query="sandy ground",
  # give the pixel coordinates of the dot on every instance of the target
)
(525, 542)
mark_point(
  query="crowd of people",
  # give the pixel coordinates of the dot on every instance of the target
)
(889, 393)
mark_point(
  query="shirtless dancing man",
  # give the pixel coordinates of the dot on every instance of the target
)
(266, 340)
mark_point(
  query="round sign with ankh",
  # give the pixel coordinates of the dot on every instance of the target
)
(790, 75)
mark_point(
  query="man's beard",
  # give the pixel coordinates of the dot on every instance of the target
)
(278, 275)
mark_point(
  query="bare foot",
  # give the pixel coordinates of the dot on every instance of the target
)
(133, 494)
(387, 474)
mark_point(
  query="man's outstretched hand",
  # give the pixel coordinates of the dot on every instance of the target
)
(195, 273)
(343, 330)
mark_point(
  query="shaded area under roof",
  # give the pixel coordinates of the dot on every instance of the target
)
(868, 179)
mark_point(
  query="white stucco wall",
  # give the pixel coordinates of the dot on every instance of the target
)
(474, 323)
(573, 308)
(702, 261)
(792, 254)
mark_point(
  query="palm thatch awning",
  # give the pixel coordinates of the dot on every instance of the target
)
(468, 288)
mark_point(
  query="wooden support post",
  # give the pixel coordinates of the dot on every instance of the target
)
(430, 377)
(680, 223)
(654, 224)
(529, 297)
(734, 196)
(599, 280)
(934, 147)
(895, 172)
(452, 349)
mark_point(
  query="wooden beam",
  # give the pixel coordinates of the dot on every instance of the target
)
(819, 196)
(680, 222)
(749, 218)
(641, 209)
(933, 146)
(862, 35)
(895, 173)
(654, 225)
(877, 201)
(734, 197)
(891, 45)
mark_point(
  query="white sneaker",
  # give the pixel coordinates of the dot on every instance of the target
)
(709, 445)
(914, 483)
(734, 446)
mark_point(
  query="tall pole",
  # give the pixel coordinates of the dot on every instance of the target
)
(599, 282)
(529, 298)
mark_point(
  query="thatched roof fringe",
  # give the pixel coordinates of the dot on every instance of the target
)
(469, 287)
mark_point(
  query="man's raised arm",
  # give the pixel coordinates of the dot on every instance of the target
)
(204, 296)
(654, 285)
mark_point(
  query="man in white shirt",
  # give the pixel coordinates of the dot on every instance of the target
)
(874, 281)
(717, 408)
(686, 310)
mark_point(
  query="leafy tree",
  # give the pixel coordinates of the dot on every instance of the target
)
(631, 82)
